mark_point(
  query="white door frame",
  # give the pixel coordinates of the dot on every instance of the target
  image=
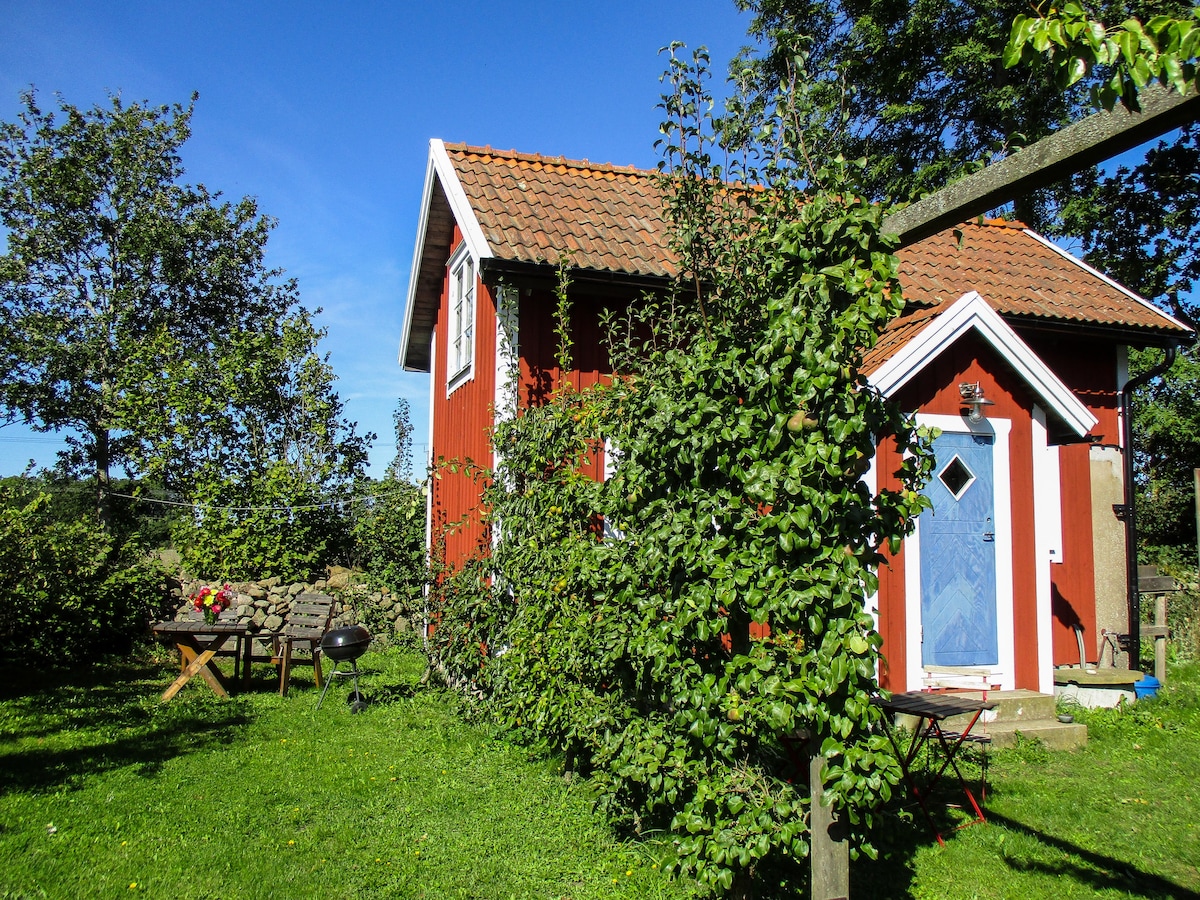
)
(1004, 672)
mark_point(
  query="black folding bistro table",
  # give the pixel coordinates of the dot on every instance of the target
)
(932, 710)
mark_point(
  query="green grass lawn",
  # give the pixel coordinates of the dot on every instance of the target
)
(106, 792)
(1117, 818)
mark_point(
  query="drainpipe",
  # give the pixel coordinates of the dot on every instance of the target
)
(1127, 512)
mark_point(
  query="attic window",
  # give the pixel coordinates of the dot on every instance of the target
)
(460, 347)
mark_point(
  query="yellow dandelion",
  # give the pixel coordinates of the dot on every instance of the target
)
(628, 872)
(133, 885)
(291, 843)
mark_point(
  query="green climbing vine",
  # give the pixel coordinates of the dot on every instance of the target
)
(679, 629)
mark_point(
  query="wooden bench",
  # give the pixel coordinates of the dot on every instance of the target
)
(303, 627)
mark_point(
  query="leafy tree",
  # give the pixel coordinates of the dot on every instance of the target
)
(1163, 50)
(137, 310)
(929, 93)
(256, 436)
(1141, 224)
(66, 594)
(389, 532)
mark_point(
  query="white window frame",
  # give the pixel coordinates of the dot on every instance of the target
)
(461, 331)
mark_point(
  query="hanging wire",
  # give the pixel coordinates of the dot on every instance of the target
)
(366, 498)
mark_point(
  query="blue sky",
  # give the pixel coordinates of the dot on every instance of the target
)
(324, 111)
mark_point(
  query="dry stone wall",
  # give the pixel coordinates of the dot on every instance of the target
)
(262, 605)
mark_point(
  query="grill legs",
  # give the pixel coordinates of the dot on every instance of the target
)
(359, 703)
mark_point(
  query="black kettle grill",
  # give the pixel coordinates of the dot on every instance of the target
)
(345, 645)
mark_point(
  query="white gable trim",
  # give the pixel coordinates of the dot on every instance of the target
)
(440, 168)
(460, 206)
(971, 311)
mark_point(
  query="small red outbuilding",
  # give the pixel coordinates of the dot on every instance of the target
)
(1015, 349)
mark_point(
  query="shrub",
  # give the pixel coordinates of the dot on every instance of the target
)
(66, 593)
(271, 524)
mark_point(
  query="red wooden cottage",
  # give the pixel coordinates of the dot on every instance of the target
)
(1015, 349)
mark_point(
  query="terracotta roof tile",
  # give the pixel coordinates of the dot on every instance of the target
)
(538, 210)
(1022, 276)
(610, 218)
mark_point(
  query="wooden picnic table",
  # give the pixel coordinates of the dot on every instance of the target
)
(198, 642)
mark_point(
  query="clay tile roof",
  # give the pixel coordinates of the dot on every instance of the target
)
(605, 218)
(538, 209)
(1022, 276)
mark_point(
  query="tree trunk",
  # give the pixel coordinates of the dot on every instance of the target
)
(739, 630)
(103, 483)
(743, 885)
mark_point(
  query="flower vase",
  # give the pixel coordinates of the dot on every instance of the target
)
(210, 615)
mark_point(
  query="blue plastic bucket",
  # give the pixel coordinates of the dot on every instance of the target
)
(1147, 687)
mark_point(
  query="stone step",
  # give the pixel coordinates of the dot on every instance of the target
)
(1054, 734)
(1011, 706)
(1014, 706)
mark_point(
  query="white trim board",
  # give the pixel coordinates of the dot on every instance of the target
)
(1048, 543)
(971, 311)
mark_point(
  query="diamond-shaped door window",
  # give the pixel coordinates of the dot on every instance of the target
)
(956, 477)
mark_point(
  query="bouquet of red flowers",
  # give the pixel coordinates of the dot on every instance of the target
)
(212, 603)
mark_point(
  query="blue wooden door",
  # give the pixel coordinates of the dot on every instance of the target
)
(958, 555)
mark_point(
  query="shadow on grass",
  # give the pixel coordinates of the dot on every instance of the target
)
(1100, 872)
(56, 700)
(61, 727)
(897, 839)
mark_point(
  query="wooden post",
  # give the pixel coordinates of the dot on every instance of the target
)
(1160, 638)
(829, 851)
(1091, 140)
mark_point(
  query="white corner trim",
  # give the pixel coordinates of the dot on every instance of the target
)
(1137, 298)
(1048, 542)
(429, 479)
(439, 167)
(1122, 381)
(507, 382)
(971, 311)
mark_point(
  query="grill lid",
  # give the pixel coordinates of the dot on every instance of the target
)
(346, 643)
